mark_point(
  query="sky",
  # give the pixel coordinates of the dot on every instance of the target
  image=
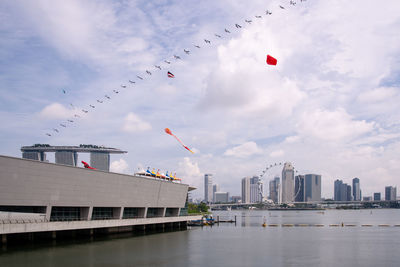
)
(330, 106)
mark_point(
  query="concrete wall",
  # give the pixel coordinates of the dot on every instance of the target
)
(33, 183)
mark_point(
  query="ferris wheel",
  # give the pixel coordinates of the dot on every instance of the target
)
(274, 166)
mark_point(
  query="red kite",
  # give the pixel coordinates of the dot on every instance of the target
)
(168, 131)
(170, 75)
(271, 60)
(87, 166)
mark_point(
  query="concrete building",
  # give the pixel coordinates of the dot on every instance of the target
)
(312, 187)
(377, 196)
(287, 183)
(68, 155)
(91, 199)
(208, 188)
(215, 189)
(274, 187)
(246, 190)
(221, 197)
(390, 193)
(356, 189)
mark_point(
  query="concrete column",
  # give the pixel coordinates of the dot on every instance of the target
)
(179, 211)
(145, 213)
(90, 213)
(163, 212)
(48, 213)
(122, 212)
(54, 235)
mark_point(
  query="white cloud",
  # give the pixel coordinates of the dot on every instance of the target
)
(190, 173)
(244, 150)
(56, 111)
(277, 153)
(133, 123)
(332, 125)
(119, 166)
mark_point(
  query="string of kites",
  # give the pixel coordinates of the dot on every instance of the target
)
(270, 60)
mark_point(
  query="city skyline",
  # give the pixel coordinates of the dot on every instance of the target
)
(328, 106)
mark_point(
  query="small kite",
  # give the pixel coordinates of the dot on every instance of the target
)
(168, 131)
(87, 166)
(271, 60)
(170, 75)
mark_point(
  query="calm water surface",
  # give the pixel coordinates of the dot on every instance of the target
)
(245, 244)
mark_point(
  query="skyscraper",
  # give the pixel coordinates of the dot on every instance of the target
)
(256, 189)
(299, 188)
(287, 183)
(215, 189)
(246, 190)
(312, 187)
(342, 191)
(356, 190)
(274, 189)
(208, 188)
(390, 193)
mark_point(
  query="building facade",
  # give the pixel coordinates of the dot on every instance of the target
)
(221, 197)
(342, 191)
(208, 188)
(390, 193)
(312, 187)
(274, 187)
(356, 189)
(215, 189)
(256, 190)
(299, 188)
(287, 183)
(377, 196)
(246, 190)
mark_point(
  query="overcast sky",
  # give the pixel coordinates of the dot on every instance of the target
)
(330, 106)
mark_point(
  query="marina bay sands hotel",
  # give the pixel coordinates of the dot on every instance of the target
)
(68, 155)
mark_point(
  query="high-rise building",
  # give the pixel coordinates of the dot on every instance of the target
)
(221, 197)
(66, 157)
(256, 189)
(356, 189)
(246, 190)
(312, 187)
(377, 196)
(342, 191)
(287, 183)
(100, 160)
(299, 188)
(390, 193)
(215, 189)
(208, 196)
(274, 189)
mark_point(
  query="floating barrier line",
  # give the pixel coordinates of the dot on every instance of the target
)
(323, 225)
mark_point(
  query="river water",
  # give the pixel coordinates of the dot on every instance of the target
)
(245, 243)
